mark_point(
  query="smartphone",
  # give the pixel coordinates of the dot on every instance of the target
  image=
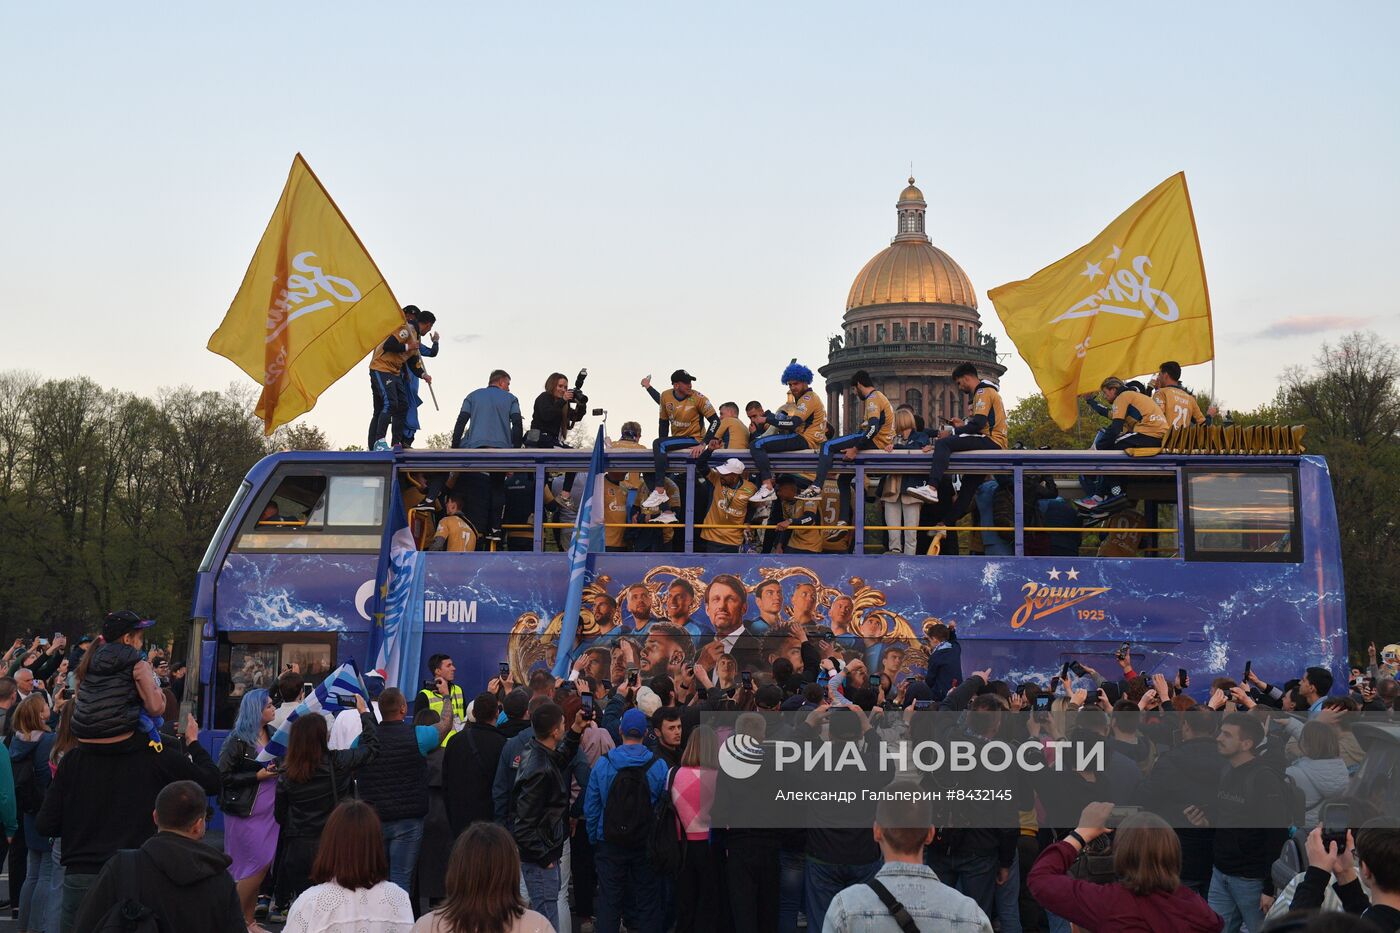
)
(588, 706)
(608, 686)
(1335, 819)
(1123, 650)
(1064, 671)
(504, 668)
(1092, 697)
(1182, 679)
(632, 676)
(43, 641)
(1248, 669)
(1077, 668)
(923, 704)
(1042, 703)
(1369, 682)
(747, 679)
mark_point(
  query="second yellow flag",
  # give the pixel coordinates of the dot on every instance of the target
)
(1132, 298)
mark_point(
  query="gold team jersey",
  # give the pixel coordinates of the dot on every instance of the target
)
(634, 479)
(615, 512)
(729, 506)
(831, 513)
(459, 533)
(732, 434)
(384, 361)
(987, 401)
(1139, 413)
(878, 407)
(811, 415)
(686, 416)
(1178, 406)
(802, 537)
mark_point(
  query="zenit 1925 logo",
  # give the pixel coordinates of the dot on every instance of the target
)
(1044, 599)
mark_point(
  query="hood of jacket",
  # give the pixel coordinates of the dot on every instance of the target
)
(1320, 777)
(184, 861)
(1187, 911)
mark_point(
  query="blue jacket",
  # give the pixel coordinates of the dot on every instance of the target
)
(595, 798)
(944, 668)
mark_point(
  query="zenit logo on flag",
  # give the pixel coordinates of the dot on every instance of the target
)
(1133, 297)
(311, 305)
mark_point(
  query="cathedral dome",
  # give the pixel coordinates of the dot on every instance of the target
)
(911, 270)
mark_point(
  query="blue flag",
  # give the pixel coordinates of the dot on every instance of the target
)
(396, 636)
(588, 537)
(335, 693)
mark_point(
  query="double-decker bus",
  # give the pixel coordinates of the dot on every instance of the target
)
(1213, 560)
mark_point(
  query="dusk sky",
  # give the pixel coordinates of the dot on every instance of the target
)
(640, 187)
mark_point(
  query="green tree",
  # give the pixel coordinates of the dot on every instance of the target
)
(1030, 425)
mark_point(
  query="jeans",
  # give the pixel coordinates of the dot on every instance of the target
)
(993, 544)
(900, 513)
(34, 911)
(792, 874)
(54, 899)
(1236, 900)
(826, 879)
(1008, 899)
(75, 888)
(402, 839)
(565, 922)
(973, 875)
(542, 883)
(627, 888)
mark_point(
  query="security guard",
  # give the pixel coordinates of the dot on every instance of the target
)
(442, 688)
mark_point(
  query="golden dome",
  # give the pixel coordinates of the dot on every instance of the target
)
(911, 193)
(911, 271)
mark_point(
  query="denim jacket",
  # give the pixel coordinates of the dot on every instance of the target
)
(933, 905)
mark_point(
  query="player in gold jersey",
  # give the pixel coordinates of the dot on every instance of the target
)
(681, 426)
(729, 506)
(800, 423)
(1137, 422)
(985, 430)
(1178, 406)
(876, 431)
(732, 434)
(454, 533)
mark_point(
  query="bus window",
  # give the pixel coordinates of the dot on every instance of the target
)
(255, 661)
(1139, 520)
(318, 510)
(1242, 516)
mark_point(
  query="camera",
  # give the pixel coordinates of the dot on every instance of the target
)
(579, 397)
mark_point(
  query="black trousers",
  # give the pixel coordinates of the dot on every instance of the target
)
(773, 444)
(945, 447)
(584, 871)
(752, 874)
(297, 855)
(390, 407)
(700, 894)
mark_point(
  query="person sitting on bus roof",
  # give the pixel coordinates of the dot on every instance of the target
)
(386, 381)
(732, 434)
(678, 427)
(985, 430)
(876, 433)
(454, 533)
(801, 424)
(1178, 405)
(1145, 426)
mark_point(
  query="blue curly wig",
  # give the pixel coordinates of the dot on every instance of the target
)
(798, 372)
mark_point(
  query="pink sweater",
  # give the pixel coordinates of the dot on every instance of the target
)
(693, 794)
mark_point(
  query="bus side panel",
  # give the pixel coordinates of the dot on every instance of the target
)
(295, 592)
(1322, 554)
(1023, 617)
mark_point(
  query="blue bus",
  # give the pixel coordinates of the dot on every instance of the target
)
(1214, 560)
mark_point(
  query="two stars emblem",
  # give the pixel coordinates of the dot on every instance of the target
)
(1094, 269)
(1070, 574)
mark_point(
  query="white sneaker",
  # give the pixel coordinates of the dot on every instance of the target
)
(925, 492)
(835, 533)
(666, 518)
(811, 492)
(657, 499)
(764, 494)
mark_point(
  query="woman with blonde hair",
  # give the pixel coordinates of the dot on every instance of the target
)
(483, 888)
(902, 509)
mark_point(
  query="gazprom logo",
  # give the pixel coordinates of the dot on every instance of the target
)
(740, 756)
(450, 610)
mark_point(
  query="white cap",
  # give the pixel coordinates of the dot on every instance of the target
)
(730, 467)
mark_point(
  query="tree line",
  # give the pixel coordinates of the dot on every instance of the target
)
(108, 499)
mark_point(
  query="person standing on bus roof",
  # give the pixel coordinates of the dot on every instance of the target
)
(454, 533)
(489, 419)
(985, 430)
(410, 378)
(386, 366)
(442, 689)
(800, 423)
(1177, 404)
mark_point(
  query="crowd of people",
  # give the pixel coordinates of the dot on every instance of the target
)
(565, 804)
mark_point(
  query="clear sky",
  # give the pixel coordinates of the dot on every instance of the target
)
(634, 187)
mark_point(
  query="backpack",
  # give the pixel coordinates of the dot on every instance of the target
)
(128, 915)
(628, 813)
(666, 841)
(28, 797)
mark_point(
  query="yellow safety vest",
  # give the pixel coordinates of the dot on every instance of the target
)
(459, 707)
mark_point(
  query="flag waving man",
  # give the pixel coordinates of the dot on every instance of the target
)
(1132, 297)
(311, 305)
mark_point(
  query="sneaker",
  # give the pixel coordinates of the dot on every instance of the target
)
(836, 533)
(811, 492)
(657, 499)
(1089, 503)
(277, 914)
(925, 492)
(1106, 507)
(381, 445)
(260, 911)
(765, 494)
(666, 518)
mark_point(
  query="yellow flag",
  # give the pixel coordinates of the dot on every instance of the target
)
(311, 305)
(1120, 306)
